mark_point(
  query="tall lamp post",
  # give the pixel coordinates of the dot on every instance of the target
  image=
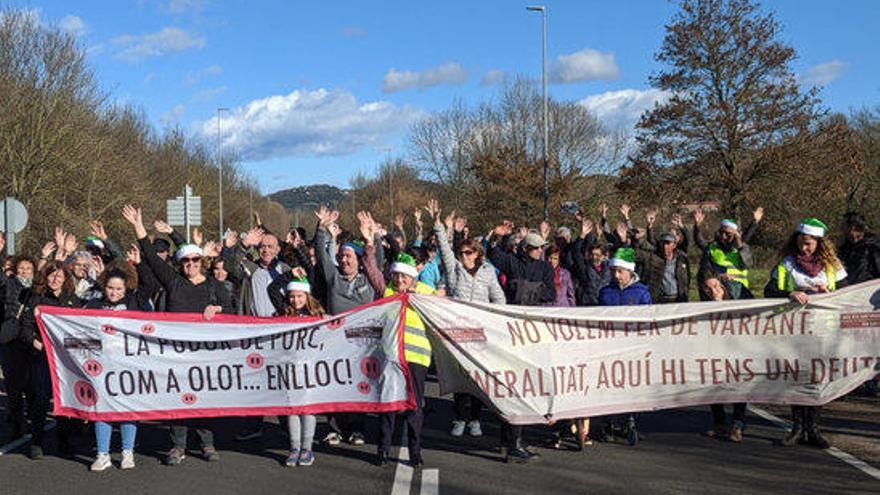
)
(220, 175)
(543, 10)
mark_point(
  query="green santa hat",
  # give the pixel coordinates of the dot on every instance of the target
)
(624, 258)
(406, 265)
(94, 242)
(299, 284)
(813, 227)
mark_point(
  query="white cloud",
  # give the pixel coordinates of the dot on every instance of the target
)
(193, 77)
(210, 93)
(622, 109)
(73, 25)
(493, 77)
(585, 65)
(449, 73)
(319, 122)
(167, 41)
(183, 6)
(822, 74)
(172, 116)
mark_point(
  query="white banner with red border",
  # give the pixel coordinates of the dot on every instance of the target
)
(126, 365)
(539, 365)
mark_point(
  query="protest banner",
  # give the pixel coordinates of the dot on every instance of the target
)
(127, 365)
(539, 365)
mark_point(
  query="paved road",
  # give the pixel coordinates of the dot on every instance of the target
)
(672, 458)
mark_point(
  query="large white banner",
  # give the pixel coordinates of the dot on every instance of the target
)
(119, 365)
(538, 365)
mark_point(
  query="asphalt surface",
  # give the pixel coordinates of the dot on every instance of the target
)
(673, 457)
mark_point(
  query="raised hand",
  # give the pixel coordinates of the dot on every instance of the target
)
(334, 229)
(433, 209)
(418, 216)
(449, 221)
(299, 272)
(253, 237)
(325, 216)
(651, 217)
(2, 241)
(603, 210)
(545, 230)
(398, 222)
(367, 226)
(586, 227)
(677, 221)
(59, 237)
(257, 220)
(621, 232)
(523, 232)
(134, 255)
(197, 236)
(231, 239)
(758, 214)
(162, 227)
(97, 265)
(699, 216)
(98, 229)
(46, 251)
(211, 249)
(624, 210)
(133, 215)
(70, 244)
(505, 228)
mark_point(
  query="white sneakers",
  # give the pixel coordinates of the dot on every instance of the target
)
(127, 460)
(474, 429)
(103, 461)
(457, 428)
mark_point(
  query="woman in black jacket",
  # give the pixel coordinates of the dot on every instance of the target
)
(53, 286)
(189, 291)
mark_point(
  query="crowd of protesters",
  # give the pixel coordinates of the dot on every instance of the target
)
(264, 274)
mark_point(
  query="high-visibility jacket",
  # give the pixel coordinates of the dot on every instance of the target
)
(730, 263)
(416, 346)
(785, 280)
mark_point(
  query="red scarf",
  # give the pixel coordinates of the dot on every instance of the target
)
(811, 265)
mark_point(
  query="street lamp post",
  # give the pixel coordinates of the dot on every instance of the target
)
(220, 175)
(543, 10)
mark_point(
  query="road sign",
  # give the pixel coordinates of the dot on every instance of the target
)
(13, 219)
(185, 211)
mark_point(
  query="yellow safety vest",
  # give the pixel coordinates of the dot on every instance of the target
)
(416, 346)
(731, 263)
(785, 282)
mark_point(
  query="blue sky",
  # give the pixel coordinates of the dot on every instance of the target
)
(318, 91)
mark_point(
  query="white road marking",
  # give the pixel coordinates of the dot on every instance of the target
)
(834, 451)
(430, 482)
(403, 475)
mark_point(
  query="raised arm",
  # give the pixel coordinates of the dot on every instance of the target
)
(699, 216)
(371, 268)
(163, 272)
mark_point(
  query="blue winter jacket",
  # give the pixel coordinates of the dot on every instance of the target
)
(635, 294)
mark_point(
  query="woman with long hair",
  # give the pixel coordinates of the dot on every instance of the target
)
(809, 266)
(53, 286)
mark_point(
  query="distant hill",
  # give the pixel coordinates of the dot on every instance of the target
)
(309, 196)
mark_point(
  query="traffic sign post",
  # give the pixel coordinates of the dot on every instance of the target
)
(13, 219)
(185, 211)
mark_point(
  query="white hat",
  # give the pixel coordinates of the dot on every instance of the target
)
(188, 250)
(299, 284)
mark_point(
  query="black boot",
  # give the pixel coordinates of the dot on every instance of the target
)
(519, 455)
(381, 458)
(797, 427)
(811, 427)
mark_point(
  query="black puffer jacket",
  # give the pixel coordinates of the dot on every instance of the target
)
(861, 259)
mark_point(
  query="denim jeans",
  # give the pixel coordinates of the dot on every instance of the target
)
(103, 430)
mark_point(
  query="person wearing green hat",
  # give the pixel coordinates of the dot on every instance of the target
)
(417, 353)
(729, 254)
(809, 266)
(624, 290)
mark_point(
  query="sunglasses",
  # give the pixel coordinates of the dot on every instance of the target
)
(467, 252)
(190, 260)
